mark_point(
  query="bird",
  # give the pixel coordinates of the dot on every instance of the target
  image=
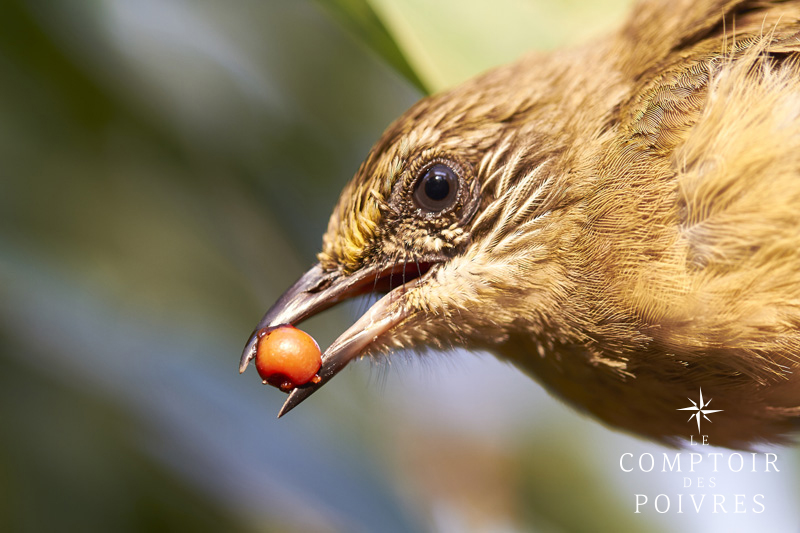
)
(620, 220)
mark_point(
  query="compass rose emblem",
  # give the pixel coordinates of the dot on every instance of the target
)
(700, 410)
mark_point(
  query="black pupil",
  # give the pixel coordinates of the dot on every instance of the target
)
(437, 186)
(437, 190)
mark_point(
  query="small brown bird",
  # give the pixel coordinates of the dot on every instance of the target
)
(619, 220)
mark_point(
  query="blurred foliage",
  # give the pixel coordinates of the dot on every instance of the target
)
(71, 464)
(549, 501)
(449, 41)
(157, 192)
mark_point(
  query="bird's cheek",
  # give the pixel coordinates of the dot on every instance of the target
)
(430, 322)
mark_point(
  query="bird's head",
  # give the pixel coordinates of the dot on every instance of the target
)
(460, 214)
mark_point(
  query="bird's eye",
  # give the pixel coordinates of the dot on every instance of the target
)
(437, 189)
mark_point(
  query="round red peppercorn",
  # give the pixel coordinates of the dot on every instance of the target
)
(287, 357)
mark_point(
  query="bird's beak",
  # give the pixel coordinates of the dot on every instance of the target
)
(316, 291)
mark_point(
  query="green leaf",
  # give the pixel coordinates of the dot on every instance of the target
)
(359, 17)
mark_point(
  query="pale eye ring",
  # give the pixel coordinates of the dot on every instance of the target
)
(437, 189)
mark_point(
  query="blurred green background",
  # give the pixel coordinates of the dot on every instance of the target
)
(166, 171)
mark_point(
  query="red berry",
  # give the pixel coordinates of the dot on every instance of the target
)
(287, 357)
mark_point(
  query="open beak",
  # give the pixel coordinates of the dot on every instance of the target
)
(317, 290)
